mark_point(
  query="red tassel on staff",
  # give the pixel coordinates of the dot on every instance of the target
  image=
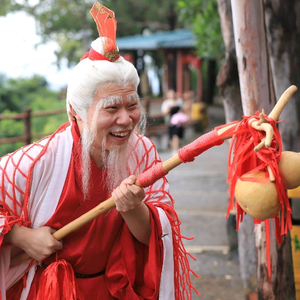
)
(58, 282)
(243, 160)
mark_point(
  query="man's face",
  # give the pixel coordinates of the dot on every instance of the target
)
(114, 114)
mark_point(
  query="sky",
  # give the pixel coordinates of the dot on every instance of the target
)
(19, 56)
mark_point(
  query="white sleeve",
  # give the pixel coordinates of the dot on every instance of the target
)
(13, 186)
(52, 169)
(147, 155)
(166, 289)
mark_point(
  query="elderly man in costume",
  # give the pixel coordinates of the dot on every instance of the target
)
(133, 251)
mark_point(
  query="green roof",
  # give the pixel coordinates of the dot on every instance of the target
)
(180, 38)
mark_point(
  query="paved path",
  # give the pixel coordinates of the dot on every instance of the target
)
(200, 191)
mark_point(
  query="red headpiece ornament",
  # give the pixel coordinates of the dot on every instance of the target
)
(107, 27)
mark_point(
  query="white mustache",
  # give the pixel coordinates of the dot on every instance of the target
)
(120, 128)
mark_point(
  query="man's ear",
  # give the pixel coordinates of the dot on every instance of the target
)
(73, 114)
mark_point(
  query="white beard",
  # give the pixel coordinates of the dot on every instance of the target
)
(87, 139)
(116, 165)
(116, 162)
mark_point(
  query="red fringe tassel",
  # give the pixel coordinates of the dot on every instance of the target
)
(242, 160)
(58, 282)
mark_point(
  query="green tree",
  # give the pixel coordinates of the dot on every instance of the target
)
(21, 93)
(10, 128)
(204, 19)
(7, 6)
(16, 94)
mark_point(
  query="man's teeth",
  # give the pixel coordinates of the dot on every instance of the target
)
(120, 134)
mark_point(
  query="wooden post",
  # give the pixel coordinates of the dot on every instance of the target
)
(27, 126)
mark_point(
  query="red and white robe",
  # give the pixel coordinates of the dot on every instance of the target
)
(40, 184)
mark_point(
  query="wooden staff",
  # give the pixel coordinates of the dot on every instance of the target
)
(167, 166)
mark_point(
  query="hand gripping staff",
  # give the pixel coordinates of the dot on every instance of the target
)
(185, 154)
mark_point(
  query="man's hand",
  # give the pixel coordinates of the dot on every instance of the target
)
(37, 243)
(128, 196)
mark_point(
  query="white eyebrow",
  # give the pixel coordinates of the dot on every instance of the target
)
(109, 101)
(133, 97)
(113, 100)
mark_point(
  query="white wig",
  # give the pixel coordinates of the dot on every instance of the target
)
(88, 75)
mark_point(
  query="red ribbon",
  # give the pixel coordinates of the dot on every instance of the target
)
(94, 55)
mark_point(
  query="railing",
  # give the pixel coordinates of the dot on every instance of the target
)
(27, 116)
(152, 107)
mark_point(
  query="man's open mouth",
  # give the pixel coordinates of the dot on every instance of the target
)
(119, 134)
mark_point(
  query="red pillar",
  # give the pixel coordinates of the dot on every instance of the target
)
(166, 74)
(187, 78)
(199, 82)
(179, 80)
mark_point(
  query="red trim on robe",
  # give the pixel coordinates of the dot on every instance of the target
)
(132, 268)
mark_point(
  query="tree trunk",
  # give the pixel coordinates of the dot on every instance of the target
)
(252, 56)
(211, 81)
(228, 83)
(257, 93)
(228, 78)
(282, 22)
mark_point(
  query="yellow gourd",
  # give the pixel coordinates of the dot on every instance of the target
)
(258, 199)
(289, 166)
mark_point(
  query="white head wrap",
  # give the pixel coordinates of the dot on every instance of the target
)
(88, 75)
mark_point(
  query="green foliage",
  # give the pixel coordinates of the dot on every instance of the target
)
(33, 93)
(47, 124)
(204, 18)
(10, 128)
(7, 6)
(16, 94)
